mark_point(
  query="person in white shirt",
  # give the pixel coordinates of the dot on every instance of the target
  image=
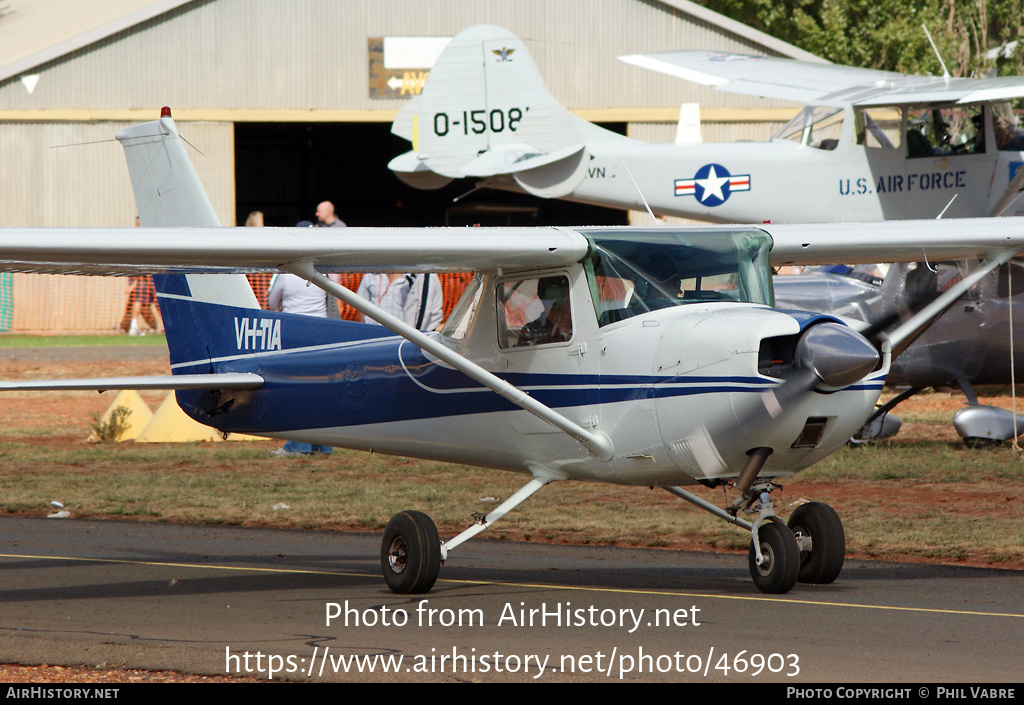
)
(293, 294)
(401, 295)
(424, 312)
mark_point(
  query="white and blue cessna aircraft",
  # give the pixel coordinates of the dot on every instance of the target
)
(620, 355)
(870, 145)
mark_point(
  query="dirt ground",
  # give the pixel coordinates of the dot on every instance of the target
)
(52, 410)
(71, 412)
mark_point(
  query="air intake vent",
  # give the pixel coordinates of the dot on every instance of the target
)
(777, 356)
(812, 432)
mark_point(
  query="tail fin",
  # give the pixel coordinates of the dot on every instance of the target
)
(168, 193)
(485, 111)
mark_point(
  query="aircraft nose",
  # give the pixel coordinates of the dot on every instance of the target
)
(838, 355)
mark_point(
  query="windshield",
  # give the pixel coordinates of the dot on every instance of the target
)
(632, 273)
(462, 315)
(817, 126)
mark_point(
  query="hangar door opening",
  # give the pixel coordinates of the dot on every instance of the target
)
(286, 169)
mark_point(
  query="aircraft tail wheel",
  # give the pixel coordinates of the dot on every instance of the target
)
(822, 564)
(410, 555)
(780, 566)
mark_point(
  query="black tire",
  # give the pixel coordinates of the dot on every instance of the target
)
(410, 554)
(978, 443)
(823, 563)
(778, 572)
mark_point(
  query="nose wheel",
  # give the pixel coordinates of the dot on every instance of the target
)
(779, 566)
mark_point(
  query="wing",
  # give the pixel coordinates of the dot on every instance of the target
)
(156, 250)
(894, 241)
(220, 250)
(830, 84)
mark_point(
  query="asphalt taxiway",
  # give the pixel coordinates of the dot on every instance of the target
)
(303, 605)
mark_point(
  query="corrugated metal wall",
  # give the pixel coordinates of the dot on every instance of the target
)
(312, 54)
(74, 175)
(710, 131)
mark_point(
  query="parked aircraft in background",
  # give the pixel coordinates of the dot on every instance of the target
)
(576, 353)
(870, 145)
(971, 344)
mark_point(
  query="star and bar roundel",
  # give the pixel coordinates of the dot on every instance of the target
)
(712, 185)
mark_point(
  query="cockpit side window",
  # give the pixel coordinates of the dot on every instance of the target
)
(878, 128)
(535, 311)
(936, 132)
(1008, 136)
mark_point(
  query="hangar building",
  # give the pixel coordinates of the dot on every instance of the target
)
(290, 102)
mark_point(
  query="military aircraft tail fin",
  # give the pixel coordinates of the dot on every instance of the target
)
(168, 193)
(485, 112)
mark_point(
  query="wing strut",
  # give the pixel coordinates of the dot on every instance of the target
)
(597, 443)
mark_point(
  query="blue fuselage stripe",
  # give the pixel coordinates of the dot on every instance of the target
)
(361, 384)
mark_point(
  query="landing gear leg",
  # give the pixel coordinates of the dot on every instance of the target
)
(774, 555)
(411, 553)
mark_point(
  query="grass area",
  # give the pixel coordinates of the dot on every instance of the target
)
(907, 498)
(15, 340)
(926, 500)
(933, 462)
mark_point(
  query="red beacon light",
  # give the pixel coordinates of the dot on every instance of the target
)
(165, 112)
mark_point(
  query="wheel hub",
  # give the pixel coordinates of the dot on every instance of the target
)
(804, 542)
(767, 560)
(398, 554)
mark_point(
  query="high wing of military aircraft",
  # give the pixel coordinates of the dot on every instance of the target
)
(575, 354)
(869, 145)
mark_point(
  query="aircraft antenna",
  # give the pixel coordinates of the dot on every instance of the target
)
(637, 186)
(79, 144)
(945, 72)
(931, 269)
(939, 216)
(475, 188)
(190, 144)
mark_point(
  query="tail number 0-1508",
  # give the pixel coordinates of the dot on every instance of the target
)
(478, 121)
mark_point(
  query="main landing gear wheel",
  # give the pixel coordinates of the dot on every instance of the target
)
(819, 522)
(780, 563)
(410, 555)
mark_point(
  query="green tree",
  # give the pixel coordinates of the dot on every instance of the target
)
(888, 34)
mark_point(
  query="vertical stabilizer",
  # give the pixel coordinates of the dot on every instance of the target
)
(168, 193)
(485, 111)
